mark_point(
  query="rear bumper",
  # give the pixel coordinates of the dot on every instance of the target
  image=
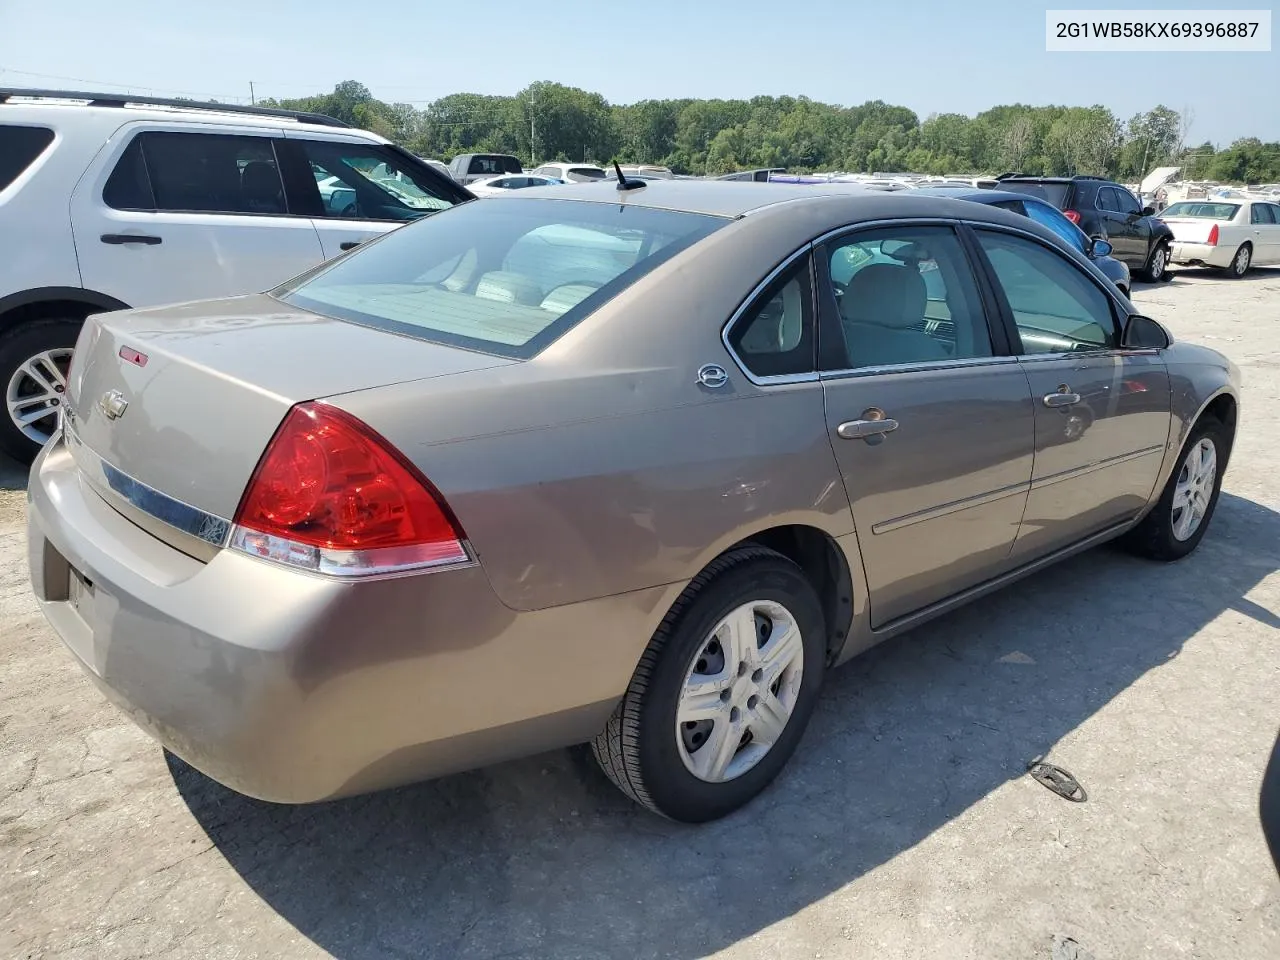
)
(1200, 254)
(295, 688)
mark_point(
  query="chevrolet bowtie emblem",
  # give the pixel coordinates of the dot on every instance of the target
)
(113, 404)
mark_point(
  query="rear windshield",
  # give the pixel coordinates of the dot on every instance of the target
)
(1055, 193)
(1201, 211)
(502, 278)
(495, 164)
(19, 147)
(586, 173)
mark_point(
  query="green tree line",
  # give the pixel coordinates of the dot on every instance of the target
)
(550, 121)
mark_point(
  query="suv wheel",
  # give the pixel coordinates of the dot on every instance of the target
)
(1157, 263)
(34, 358)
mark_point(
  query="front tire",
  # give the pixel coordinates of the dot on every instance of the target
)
(1157, 263)
(34, 358)
(723, 692)
(1177, 523)
(1241, 262)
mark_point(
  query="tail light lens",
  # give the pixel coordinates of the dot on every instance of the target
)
(1213, 235)
(331, 496)
(1072, 215)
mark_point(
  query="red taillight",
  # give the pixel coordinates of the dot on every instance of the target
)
(1072, 215)
(332, 496)
(1213, 235)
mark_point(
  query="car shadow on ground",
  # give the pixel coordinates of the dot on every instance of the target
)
(1201, 274)
(13, 475)
(542, 857)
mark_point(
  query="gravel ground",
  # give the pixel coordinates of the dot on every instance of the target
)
(905, 826)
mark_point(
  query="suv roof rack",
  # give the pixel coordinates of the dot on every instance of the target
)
(123, 99)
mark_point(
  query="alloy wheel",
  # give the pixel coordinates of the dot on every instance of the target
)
(740, 691)
(1194, 489)
(36, 393)
(1241, 263)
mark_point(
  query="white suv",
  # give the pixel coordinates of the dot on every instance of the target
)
(109, 202)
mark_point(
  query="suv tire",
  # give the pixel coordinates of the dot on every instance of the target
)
(1157, 263)
(34, 357)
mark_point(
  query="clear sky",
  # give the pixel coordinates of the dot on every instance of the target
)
(928, 55)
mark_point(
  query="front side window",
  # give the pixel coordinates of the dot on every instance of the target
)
(1056, 307)
(1048, 216)
(20, 147)
(906, 295)
(366, 181)
(775, 336)
(1127, 202)
(197, 173)
(1108, 200)
(506, 279)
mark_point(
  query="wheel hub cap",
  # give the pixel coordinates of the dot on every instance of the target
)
(36, 392)
(1194, 488)
(740, 691)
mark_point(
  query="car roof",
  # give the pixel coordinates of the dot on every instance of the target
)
(737, 198)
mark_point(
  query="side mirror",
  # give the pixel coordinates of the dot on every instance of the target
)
(1148, 211)
(1143, 333)
(1100, 248)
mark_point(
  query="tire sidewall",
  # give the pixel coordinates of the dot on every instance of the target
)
(16, 347)
(674, 789)
(1171, 545)
(1161, 252)
(1234, 269)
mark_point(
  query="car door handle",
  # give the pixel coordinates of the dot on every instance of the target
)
(1063, 398)
(862, 429)
(142, 238)
(349, 244)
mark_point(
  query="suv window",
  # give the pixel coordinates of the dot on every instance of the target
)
(906, 295)
(197, 173)
(19, 148)
(775, 336)
(1127, 202)
(493, 165)
(1054, 192)
(1108, 200)
(1056, 307)
(1261, 213)
(505, 279)
(366, 181)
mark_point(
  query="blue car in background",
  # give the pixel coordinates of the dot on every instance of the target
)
(1047, 215)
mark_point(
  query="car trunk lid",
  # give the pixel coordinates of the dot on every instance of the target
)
(1191, 229)
(171, 408)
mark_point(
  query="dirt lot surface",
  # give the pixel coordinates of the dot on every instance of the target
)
(905, 826)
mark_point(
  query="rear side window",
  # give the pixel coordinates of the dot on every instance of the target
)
(501, 278)
(775, 336)
(197, 173)
(19, 148)
(1261, 213)
(1048, 216)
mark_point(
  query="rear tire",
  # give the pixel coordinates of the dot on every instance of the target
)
(653, 755)
(1162, 533)
(33, 371)
(1241, 262)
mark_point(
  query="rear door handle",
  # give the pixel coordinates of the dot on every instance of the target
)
(1061, 399)
(349, 244)
(862, 429)
(142, 238)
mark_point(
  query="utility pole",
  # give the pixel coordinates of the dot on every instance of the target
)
(533, 133)
(253, 101)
